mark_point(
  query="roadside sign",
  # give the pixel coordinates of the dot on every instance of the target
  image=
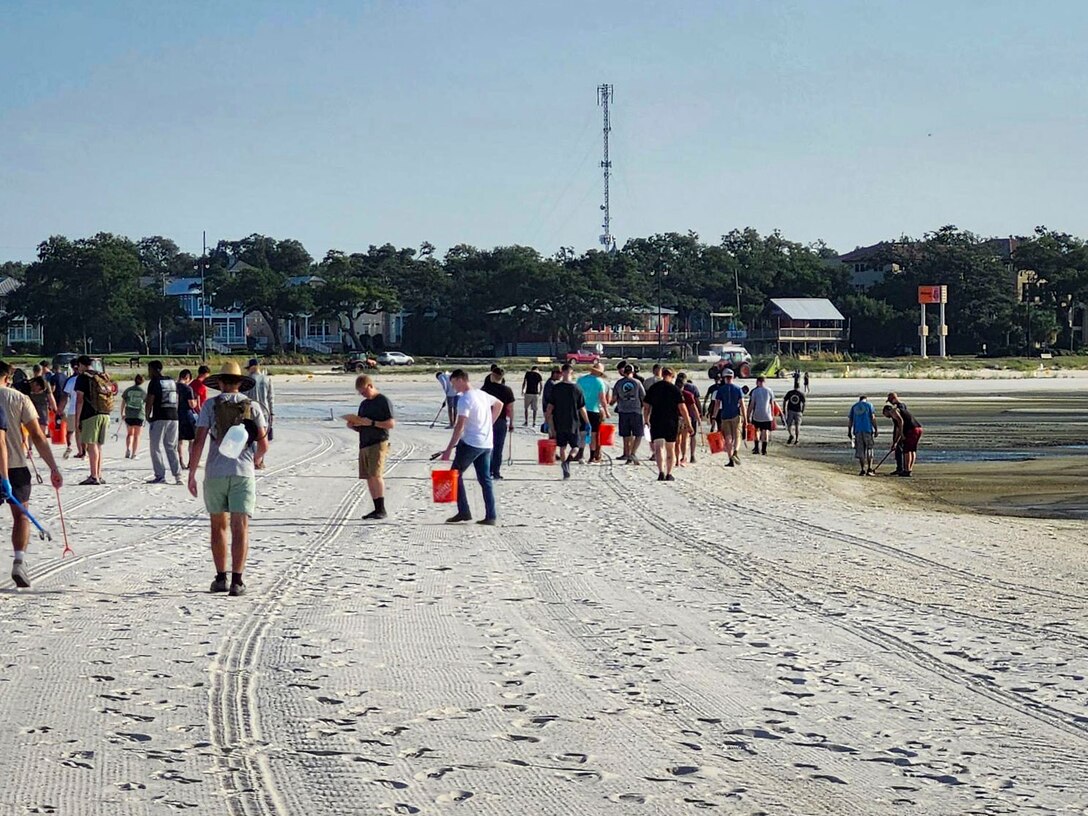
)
(932, 294)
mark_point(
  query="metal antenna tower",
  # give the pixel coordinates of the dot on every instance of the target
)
(608, 240)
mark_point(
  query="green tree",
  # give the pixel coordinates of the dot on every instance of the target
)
(347, 293)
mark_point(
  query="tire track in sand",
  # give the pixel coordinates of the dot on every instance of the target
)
(233, 712)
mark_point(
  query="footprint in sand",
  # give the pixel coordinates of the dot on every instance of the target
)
(454, 797)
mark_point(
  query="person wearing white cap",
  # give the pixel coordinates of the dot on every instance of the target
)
(730, 410)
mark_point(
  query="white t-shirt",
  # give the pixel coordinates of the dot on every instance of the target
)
(70, 390)
(475, 406)
(761, 404)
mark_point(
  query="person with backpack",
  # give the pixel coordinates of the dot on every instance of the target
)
(234, 429)
(794, 406)
(133, 412)
(162, 412)
(94, 404)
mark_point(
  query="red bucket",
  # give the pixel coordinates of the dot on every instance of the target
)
(444, 486)
(751, 434)
(716, 442)
(545, 451)
(607, 434)
(58, 432)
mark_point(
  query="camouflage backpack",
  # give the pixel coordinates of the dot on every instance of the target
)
(101, 396)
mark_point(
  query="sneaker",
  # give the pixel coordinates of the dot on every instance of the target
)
(157, 480)
(19, 576)
(731, 463)
(862, 472)
(789, 441)
(177, 479)
(496, 476)
(458, 518)
(566, 469)
(374, 515)
(67, 453)
(490, 522)
(693, 460)
(670, 478)
(90, 480)
(755, 450)
(660, 476)
(236, 590)
(219, 585)
(128, 454)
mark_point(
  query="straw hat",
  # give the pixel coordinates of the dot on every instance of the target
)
(596, 368)
(230, 369)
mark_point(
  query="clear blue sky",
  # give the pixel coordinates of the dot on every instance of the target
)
(349, 123)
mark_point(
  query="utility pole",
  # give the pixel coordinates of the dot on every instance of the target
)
(604, 99)
(203, 298)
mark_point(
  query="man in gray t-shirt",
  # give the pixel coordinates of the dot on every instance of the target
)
(628, 395)
(230, 484)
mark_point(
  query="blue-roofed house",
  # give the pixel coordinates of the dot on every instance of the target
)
(18, 330)
(226, 328)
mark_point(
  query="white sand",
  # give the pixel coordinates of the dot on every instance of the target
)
(769, 639)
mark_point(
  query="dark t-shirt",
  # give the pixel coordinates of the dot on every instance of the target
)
(532, 382)
(567, 400)
(795, 401)
(185, 413)
(85, 387)
(730, 397)
(547, 393)
(164, 395)
(378, 409)
(503, 393)
(908, 418)
(664, 399)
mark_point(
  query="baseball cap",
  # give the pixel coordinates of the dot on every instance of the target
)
(728, 373)
(253, 362)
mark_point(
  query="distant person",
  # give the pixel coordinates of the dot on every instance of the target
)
(449, 396)
(596, 392)
(200, 387)
(473, 441)
(666, 414)
(628, 395)
(162, 414)
(793, 406)
(648, 383)
(17, 413)
(861, 429)
(187, 413)
(729, 407)
(94, 404)
(133, 413)
(912, 434)
(806, 382)
(42, 397)
(567, 415)
(495, 385)
(897, 436)
(761, 413)
(685, 442)
(71, 417)
(262, 394)
(373, 423)
(230, 483)
(531, 385)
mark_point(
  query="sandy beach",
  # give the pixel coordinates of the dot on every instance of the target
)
(781, 638)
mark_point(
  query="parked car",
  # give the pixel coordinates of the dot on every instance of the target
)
(582, 356)
(360, 361)
(62, 363)
(395, 358)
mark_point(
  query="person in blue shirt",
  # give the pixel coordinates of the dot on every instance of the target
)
(595, 388)
(861, 428)
(730, 411)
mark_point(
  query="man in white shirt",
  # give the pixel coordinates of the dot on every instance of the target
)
(761, 414)
(473, 440)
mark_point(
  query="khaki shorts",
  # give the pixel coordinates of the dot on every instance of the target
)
(731, 427)
(230, 494)
(372, 460)
(92, 431)
(532, 401)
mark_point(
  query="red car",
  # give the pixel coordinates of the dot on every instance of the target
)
(582, 356)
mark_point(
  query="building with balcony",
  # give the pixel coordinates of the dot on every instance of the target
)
(226, 327)
(801, 325)
(18, 331)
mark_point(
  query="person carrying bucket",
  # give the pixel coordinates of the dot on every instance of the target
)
(595, 389)
(238, 431)
(730, 409)
(473, 439)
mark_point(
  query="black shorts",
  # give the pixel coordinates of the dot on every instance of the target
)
(630, 424)
(763, 426)
(568, 439)
(20, 483)
(134, 423)
(594, 420)
(668, 433)
(186, 432)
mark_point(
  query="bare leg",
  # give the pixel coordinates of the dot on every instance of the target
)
(239, 542)
(659, 454)
(94, 458)
(670, 457)
(20, 530)
(219, 540)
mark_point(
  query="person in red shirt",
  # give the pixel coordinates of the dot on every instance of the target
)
(199, 388)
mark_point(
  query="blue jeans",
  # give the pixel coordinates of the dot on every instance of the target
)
(480, 458)
(499, 429)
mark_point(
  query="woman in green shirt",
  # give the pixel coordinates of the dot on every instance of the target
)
(132, 410)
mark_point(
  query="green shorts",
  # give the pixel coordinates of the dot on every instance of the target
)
(92, 431)
(230, 494)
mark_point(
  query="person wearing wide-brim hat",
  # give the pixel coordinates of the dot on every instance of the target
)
(230, 483)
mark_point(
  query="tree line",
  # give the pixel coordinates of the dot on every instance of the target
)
(105, 292)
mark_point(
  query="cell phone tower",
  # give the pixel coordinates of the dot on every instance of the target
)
(604, 99)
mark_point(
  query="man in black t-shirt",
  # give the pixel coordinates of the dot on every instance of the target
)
(665, 410)
(373, 424)
(162, 414)
(530, 391)
(793, 406)
(566, 415)
(494, 386)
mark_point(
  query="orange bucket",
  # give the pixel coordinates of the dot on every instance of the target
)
(716, 442)
(607, 434)
(58, 432)
(444, 486)
(52, 417)
(545, 451)
(750, 435)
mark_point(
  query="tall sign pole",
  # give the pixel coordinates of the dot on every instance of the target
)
(938, 296)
